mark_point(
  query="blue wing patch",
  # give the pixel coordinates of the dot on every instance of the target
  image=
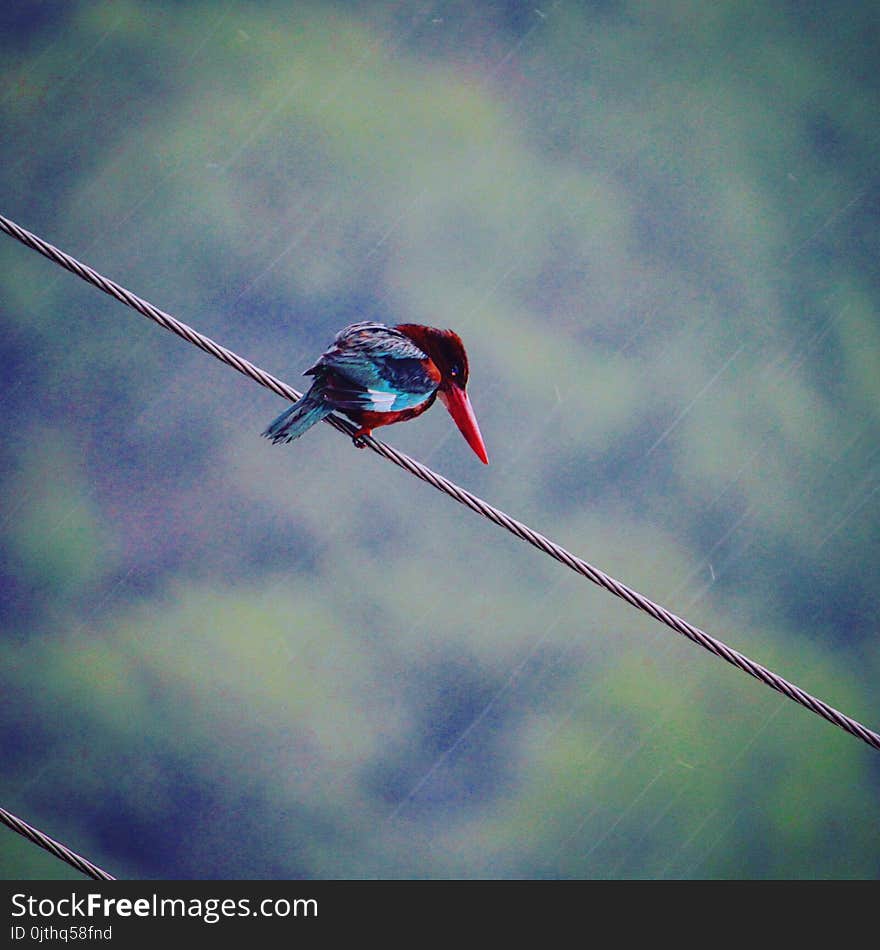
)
(374, 367)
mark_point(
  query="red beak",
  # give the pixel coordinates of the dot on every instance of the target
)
(459, 406)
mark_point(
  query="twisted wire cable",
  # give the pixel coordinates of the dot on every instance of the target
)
(461, 495)
(54, 847)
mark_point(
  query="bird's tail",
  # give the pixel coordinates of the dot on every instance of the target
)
(302, 415)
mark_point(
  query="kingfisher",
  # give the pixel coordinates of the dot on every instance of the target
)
(378, 375)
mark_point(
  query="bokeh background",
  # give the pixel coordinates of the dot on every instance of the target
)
(657, 228)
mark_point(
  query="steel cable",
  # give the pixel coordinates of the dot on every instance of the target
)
(54, 847)
(461, 495)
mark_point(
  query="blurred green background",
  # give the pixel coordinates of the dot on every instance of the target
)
(657, 229)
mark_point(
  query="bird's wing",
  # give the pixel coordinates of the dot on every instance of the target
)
(371, 366)
(368, 340)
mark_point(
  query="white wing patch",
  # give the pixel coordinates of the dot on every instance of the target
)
(381, 401)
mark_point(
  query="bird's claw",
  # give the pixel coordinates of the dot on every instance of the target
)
(359, 441)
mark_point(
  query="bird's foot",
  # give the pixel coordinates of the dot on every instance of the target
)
(359, 438)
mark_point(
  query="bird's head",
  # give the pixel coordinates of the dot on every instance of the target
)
(447, 353)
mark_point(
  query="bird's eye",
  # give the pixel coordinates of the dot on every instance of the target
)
(454, 370)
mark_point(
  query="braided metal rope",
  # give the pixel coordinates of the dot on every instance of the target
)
(55, 847)
(522, 531)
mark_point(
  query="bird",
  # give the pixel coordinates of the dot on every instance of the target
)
(377, 375)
